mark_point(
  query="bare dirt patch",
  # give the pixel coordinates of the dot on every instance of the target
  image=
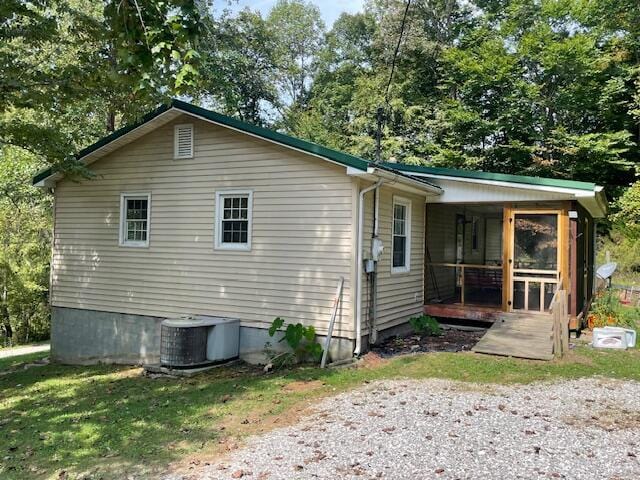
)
(451, 340)
(609, 420)
(371, 360)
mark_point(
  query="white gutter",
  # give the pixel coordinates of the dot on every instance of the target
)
(359, 260)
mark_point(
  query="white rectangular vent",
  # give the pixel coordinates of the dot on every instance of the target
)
(183, 144)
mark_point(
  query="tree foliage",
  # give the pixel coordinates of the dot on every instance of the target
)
(25, 221)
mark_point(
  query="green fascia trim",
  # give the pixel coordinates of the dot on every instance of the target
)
(498, 177)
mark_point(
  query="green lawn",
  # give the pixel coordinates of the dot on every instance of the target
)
(102, 421)
(12, 362)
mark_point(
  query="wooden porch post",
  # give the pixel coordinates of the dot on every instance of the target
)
(507, 246)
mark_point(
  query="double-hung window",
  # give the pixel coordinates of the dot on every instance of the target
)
(233, 219)
(135, 214)
(401, 231)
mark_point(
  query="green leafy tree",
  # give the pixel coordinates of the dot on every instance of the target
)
(239, 71)
(25, 249)
(74, 69)
(297, 29)
(627, 215)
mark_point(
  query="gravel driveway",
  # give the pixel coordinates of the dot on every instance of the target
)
(585, 429)
(17, 351)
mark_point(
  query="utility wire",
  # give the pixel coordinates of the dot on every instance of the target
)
(397, 50)
(380, 114)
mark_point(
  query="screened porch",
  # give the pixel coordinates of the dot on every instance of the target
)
(473, 271)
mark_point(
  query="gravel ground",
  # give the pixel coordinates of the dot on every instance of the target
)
(17, 351)
(585, 429)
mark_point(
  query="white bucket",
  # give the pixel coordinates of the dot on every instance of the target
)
(630, 334)
(604, 338)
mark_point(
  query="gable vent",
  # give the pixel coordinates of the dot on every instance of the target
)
(183, 145)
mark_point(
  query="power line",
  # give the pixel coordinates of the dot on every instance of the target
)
(380, 114)
(397, 50)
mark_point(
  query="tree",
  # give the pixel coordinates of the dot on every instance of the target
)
(297, 29)
(25, 248)
(239, 68)
(70, 71)
(541, 88)
(627, 212)
(73, 69)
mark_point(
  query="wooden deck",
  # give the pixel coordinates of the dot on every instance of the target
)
(464, 312)
(518, 335)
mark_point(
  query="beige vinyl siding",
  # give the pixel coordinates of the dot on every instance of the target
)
(302, 233)
(400, 295)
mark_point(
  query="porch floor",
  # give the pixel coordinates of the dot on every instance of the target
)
(523, 336)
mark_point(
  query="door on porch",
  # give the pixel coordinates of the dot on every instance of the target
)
(534, 266)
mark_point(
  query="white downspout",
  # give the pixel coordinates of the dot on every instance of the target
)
(373, 334)
(358, 304)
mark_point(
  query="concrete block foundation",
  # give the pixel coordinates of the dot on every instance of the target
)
(88, 336)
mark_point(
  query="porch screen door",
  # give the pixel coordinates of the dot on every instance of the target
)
(534, 267)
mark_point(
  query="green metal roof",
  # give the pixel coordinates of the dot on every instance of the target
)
(496, 177)
(342, 158)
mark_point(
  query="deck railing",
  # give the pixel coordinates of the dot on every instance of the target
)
(560, 312)
(469, 276)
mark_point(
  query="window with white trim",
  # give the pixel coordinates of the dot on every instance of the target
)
(183, 141)
(233, 219)
(135, 214)
(401, 231)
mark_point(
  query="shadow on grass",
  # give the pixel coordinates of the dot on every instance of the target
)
(105, 420)
(112, 418)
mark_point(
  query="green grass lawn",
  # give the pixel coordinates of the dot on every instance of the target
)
(103, 421)
(12, 362)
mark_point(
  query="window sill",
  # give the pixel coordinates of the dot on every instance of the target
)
(400, 270)
(134, 245)
(233, 248)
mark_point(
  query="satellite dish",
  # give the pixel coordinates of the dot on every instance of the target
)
(605, 271)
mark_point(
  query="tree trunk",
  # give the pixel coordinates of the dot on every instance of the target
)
(111, 121)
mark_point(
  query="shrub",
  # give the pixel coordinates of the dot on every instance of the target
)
(606, 309)
(301, 340)
(424, 324)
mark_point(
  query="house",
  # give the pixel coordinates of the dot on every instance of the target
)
(193, 212)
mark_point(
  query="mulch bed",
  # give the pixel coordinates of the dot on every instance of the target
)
(451, 340)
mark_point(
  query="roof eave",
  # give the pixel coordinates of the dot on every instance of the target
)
(406, 182)
(519, 181)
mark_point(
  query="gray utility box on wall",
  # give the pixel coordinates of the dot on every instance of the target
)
(197, 340)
